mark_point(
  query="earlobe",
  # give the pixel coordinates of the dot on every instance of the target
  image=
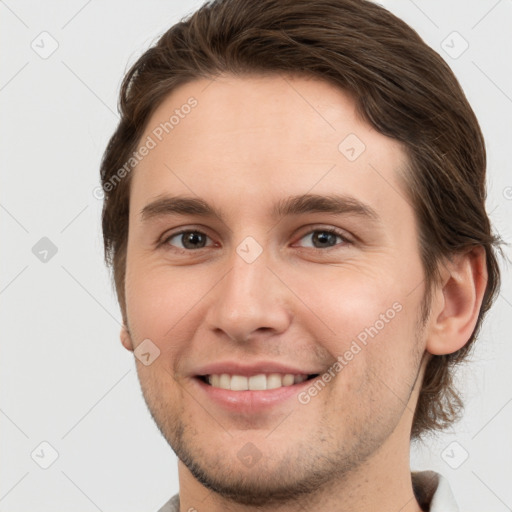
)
(126, 338)
(459, 302)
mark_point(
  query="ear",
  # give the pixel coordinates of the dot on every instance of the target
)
(126, 338)
(456, 305)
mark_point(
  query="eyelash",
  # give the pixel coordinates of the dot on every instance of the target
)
(344, 238)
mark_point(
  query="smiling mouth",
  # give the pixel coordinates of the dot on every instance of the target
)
(259, 382)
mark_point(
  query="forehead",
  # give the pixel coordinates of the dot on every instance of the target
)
(261, 136)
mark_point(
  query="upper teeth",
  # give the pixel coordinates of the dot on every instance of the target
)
(256, 382)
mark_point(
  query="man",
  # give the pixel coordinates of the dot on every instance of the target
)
(295, 216)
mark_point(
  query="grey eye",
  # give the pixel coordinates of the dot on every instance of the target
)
(189, 240)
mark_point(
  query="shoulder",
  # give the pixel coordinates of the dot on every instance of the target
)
(173, 505)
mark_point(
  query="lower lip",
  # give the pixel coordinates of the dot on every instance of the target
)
(251, 401)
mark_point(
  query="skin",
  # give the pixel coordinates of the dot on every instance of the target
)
(250, 142)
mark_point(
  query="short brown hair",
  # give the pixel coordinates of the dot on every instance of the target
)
(401, 87)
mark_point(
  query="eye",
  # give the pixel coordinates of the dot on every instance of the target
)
(324, 238)
(190, 239)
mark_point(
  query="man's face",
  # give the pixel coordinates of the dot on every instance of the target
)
(262, 292)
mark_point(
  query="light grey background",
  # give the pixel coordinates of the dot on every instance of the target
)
(65, 378)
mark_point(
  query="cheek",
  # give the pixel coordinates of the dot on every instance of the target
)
(366, 317)
(160, 301)
(348, 299)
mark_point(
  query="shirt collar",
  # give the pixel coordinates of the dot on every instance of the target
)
(433, 492)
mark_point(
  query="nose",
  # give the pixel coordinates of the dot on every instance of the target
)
(250, 301)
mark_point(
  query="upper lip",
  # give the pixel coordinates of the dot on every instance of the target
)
(238, 368)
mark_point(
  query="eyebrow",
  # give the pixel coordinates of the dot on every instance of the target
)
(294, 205)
